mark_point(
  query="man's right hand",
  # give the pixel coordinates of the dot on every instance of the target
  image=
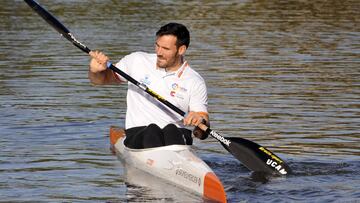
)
(99, 74)
(98, 61)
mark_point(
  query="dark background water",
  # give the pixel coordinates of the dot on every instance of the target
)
(285, 74)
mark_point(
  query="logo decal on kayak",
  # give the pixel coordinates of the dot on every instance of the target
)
(188, 176)
(150, 162)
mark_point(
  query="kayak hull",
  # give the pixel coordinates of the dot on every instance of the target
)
(175, 164)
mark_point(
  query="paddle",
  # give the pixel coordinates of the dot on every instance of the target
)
(252, 155)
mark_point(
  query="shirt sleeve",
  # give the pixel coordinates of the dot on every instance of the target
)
(199, 98)
(123, 65)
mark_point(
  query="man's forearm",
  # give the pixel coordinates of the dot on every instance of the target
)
(102, 78)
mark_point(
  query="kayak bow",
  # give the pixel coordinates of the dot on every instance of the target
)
(175, 164)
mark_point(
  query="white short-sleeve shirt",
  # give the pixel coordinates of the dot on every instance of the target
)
(184, 88)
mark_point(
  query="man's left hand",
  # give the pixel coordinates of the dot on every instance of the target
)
(194, 118)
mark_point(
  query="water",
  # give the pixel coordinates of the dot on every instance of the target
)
(284, 74)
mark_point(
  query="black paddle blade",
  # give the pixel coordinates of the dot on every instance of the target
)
(47, 17)
(256, 157)
(56, 24)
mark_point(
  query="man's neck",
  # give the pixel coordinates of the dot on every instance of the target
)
(176, 67)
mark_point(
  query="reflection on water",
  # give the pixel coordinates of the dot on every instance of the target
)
(283, 74)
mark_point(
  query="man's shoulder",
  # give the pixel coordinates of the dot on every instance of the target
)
(140, 54)
(192, 74)
(136, 61)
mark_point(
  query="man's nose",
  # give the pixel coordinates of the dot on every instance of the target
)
(158, 51)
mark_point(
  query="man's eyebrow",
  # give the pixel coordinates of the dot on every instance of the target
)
(167, 48)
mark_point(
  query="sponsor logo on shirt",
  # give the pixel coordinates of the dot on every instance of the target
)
(146, 80)
(177, 91)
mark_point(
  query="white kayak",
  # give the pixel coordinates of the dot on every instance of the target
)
(175, 164)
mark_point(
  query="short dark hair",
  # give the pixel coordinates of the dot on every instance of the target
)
(178, 30)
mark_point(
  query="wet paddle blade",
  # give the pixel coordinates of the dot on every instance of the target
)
(256, 157)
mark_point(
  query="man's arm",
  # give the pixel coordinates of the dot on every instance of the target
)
(98, 72)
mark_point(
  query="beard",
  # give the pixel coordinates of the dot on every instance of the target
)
(163, 62)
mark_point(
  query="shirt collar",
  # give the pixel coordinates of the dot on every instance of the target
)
(179, 72)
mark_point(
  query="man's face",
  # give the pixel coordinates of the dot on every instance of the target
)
(167, 52)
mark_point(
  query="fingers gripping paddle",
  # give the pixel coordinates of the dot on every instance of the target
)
(252, 155)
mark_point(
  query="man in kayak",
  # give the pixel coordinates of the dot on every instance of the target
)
(148, 122)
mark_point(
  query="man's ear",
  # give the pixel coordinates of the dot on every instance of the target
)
(182, 50)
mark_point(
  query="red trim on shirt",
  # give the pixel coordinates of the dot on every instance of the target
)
(181, 71)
